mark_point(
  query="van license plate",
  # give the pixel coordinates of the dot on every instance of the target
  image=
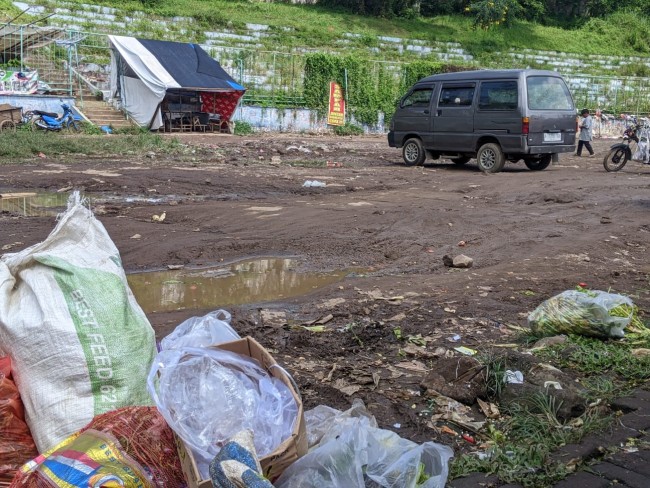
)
(552, 136)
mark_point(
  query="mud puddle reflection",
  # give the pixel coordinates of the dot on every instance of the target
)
(250, 281)
(30, 204)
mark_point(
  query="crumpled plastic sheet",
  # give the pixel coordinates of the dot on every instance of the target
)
(351, 452)
(213, 328)
(208, 395)
(581, 313)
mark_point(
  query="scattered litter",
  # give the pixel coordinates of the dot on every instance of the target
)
(462, 244)
(465, 350)
(136, 236)
(513, 377)
(397, 426)
(555, 384)
(333, 164)
(314, 184)
(159, 218)
(41, 155)
(174, 267)
(6, 247)
(348, 450)
(106, 129)
(490, 410)
(454, 338)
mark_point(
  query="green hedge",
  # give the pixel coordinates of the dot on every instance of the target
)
(371, 86)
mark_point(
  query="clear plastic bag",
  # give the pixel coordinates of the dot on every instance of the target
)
(585, 313)
(213, 328)
(208, 395)
(354, 453)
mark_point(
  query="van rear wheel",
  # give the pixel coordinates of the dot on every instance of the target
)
(490, 158)
(538, 164)
(413, 152)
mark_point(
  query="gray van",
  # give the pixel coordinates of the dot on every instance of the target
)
(491, 115)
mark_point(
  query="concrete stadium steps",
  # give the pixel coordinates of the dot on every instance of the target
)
(100, 113)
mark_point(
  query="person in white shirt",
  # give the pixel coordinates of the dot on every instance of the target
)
(585, 133)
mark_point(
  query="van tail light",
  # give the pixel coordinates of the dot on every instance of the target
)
(525, 125)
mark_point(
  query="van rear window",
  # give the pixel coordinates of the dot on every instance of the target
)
(498, 95)
(548, 93)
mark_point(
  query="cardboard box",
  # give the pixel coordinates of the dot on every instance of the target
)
(289, 451)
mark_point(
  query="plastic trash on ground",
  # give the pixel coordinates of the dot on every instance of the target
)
(79, 343)
(583, 313)
(130, 447)
(16, 443)
(351, 452)
(237, 465)
(213, 328)
(314, 184)
(207, 395)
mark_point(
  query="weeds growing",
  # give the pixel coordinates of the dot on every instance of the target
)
(26, 144)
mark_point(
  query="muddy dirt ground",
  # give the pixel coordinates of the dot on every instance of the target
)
(531, 235)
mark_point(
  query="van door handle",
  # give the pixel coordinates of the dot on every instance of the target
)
(426, 111)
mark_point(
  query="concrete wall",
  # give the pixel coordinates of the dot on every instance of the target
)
(46, 103)
(291, 119)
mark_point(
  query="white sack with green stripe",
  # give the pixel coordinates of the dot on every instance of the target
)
(79, 343)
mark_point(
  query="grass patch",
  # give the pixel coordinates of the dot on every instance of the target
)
(243, 128)
(520, 442)
(349, 129)
(26, 144)
(595, 357)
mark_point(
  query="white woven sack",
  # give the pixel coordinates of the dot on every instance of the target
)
(80, 344)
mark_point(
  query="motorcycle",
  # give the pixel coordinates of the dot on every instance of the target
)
(635, 146)
(49, 121)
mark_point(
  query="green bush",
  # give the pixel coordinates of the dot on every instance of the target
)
(349, 129)
(243, 128)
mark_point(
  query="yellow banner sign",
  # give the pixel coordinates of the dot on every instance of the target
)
(336, 112)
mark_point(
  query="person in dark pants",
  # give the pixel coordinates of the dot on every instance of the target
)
(585, 133)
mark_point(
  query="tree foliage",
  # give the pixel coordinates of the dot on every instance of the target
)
(492, 13)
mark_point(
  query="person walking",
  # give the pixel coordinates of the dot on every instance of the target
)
(585, 133)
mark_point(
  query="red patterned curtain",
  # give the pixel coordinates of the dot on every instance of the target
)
(222, 103)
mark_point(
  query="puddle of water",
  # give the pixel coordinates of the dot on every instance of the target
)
(249, 281)
(34, 205)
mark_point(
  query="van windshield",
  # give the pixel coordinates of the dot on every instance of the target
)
(548, 93)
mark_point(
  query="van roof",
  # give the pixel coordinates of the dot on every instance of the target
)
(486, 74)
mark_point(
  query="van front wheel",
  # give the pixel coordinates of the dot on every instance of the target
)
(413, 152)
(538, 164)
(490, 158)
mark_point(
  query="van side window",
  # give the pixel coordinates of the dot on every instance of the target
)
(418, 97)
(456, 96)
(498, 95)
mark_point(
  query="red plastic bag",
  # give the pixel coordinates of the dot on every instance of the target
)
(16, 443)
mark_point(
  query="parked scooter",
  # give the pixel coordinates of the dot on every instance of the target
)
(49, 121)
